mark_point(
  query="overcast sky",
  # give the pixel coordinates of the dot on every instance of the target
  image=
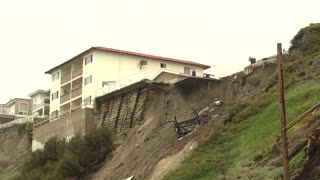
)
(37, 35)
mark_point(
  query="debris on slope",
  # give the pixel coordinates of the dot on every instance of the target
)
(171, 162)
(310, 168)
(15, 146)
(146, 149)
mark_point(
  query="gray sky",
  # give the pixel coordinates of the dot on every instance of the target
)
(37, 35)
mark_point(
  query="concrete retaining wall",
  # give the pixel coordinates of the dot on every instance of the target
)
(80, 122)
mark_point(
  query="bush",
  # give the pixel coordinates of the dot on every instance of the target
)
(53, 149)
(307, 40)
(36, 160)
(60, 160)
(69, 165)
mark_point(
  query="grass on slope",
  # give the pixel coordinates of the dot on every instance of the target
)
(234, 148)
(7, 175)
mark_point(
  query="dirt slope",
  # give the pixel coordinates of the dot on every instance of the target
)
(151, 149)
(15, 145)
(309, 138)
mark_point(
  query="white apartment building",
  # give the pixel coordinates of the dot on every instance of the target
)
(40, 103)
(74, 83)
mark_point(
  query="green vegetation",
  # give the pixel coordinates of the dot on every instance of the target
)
(62, 160)
(28, 126)
(254, 129)
(8, 175)
(307, 40)
(297, 160)
(234, 148)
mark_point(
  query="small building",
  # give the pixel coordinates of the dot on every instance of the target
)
(40, 103)
(260, 63)
(14, 109)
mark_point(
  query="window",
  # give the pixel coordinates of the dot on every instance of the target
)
(55, 76)
(88, 80)
(88, 59)
(87, 100)
(186, 70)
(163, 65)
(23, 108)
(55, 95)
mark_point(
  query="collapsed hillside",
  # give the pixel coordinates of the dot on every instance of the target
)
(249, 146)
(241, 140)
(152, 149)
(15, 146)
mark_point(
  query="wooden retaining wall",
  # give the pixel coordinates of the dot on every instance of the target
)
(124, 111)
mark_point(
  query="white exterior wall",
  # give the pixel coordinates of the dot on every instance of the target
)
(54, 87)
(112, 66)
(129, 65)
(12, 109)
(37, 99)
(104, 67)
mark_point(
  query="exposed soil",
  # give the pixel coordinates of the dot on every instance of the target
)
(150, 150)
(15, 145)
(310, 169)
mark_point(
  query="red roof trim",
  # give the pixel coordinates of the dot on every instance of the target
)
(134, 54)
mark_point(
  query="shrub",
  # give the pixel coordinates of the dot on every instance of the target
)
(60, 160)
(69, 165)
(53, 149)
(307, 40)
(36, 160)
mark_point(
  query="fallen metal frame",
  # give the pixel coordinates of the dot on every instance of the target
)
(187, 126)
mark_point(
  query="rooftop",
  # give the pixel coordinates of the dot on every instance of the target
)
(130, 53)
(39, 91)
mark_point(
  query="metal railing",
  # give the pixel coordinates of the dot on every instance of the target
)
(61, 113)
(45, 101)
(65, 97)
(6, 111)
(120, 84)
(77, 73)
(76, 92)
(17, 121)
(65, 78)
(249, 69)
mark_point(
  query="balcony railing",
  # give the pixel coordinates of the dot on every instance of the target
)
(5, 111)
(17, 121)
(76, 73)
(45, 101)
(65, 97)
(120, 84)
(76, 92)
(65, 78)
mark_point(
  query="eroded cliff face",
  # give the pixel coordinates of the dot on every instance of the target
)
(151, 148)
(15, 146)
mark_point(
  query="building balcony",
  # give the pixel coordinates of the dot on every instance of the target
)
(43, 102)
(64, 98)
(76, 92)
(65, 78)
(113, 86)
(5, 111)
(76, 73)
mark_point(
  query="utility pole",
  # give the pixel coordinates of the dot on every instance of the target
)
(284, 143)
